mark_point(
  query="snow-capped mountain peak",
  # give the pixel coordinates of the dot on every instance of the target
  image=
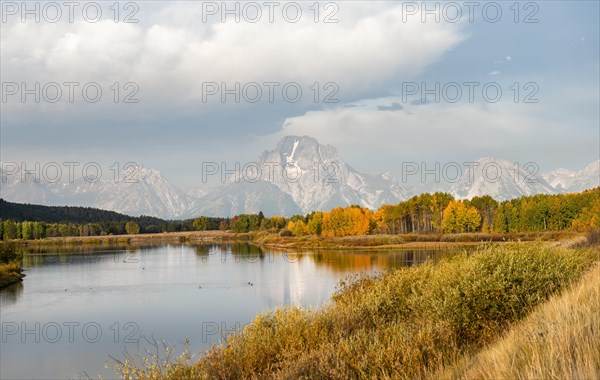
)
(499, 178)
(298, 176)
(565, 180)
(310, 175)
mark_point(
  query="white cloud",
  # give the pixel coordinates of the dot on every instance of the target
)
(172, 52)
(430, 131)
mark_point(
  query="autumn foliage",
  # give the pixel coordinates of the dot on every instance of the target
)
(347, 221)
(460, 218)
(441, 213)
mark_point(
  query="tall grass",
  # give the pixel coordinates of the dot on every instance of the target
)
(559, 340)
(408, 323)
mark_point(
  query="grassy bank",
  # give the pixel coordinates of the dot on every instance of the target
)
(409, 323)
(274, 240)
(10, 266)
(10, 273)
(405, 240)
(140, 240)
(559, 340)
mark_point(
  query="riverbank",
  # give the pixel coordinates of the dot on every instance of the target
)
(273, 240)
(10, 274)
(408, 241)
(10, 266)
(197, 237)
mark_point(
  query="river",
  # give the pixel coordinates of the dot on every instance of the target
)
(76, 309)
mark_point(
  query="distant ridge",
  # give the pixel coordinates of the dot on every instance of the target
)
(568, 181)
(502, 182)
(325, 181)
(66, 214)
(145, 192)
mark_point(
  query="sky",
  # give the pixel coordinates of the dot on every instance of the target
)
(519, 83)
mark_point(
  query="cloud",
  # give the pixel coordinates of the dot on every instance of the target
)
(432, 131)
(171, 52)
(495, 72)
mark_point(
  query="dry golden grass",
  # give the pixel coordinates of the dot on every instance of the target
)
(559, 340)
(379, 241)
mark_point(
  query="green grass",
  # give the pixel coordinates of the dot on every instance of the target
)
(408, 323)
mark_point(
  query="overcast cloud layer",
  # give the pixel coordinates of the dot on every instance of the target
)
(364, 62)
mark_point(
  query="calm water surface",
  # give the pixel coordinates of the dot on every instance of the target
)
(74, 310)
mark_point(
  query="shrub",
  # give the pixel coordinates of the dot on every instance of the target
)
(285, 232)
(10, 273)
(10, 265)
(132, 228)
(558, 340)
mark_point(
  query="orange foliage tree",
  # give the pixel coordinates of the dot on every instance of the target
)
(347, 221)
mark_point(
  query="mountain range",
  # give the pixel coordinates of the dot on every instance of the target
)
(297, 177)
(569, 181)
(146, 192)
